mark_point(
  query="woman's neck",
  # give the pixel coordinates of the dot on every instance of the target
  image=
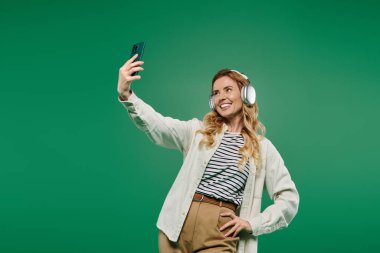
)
(235, 125)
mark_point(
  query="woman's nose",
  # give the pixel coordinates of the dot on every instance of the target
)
(222, 96)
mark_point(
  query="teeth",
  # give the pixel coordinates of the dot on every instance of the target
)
(225, 105)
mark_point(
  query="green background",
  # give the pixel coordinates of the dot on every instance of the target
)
(77, 176)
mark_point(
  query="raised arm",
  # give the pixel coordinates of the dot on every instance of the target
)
(164, 131)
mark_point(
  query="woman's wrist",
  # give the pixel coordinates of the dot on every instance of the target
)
(125, 96)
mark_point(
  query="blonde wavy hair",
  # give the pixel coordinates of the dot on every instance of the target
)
(213, 122)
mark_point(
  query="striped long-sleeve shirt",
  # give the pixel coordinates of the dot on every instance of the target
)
(222, 178)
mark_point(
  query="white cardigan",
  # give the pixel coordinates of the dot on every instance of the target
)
(177, 134)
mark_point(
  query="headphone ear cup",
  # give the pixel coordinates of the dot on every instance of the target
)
(211, 103)
(248, 95)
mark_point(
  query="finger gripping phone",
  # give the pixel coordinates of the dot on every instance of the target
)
(137, 48)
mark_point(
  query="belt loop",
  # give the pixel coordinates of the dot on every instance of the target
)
(220, 203)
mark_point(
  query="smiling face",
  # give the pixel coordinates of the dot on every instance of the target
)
(227, 99)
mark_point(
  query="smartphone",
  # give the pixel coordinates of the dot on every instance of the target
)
(137, 48)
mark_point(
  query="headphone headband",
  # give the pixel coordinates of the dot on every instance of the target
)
(246, 77)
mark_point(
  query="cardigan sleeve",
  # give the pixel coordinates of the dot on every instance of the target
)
(282, 191)
(163, 131)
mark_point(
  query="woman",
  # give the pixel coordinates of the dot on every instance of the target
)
(214, 203)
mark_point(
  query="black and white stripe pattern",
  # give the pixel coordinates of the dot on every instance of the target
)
(222, 178)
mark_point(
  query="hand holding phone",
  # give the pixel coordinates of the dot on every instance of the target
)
(127, 73)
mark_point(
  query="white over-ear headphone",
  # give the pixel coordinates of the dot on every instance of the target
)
(248, 93)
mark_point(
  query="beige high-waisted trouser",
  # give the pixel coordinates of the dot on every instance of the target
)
(200, 232)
